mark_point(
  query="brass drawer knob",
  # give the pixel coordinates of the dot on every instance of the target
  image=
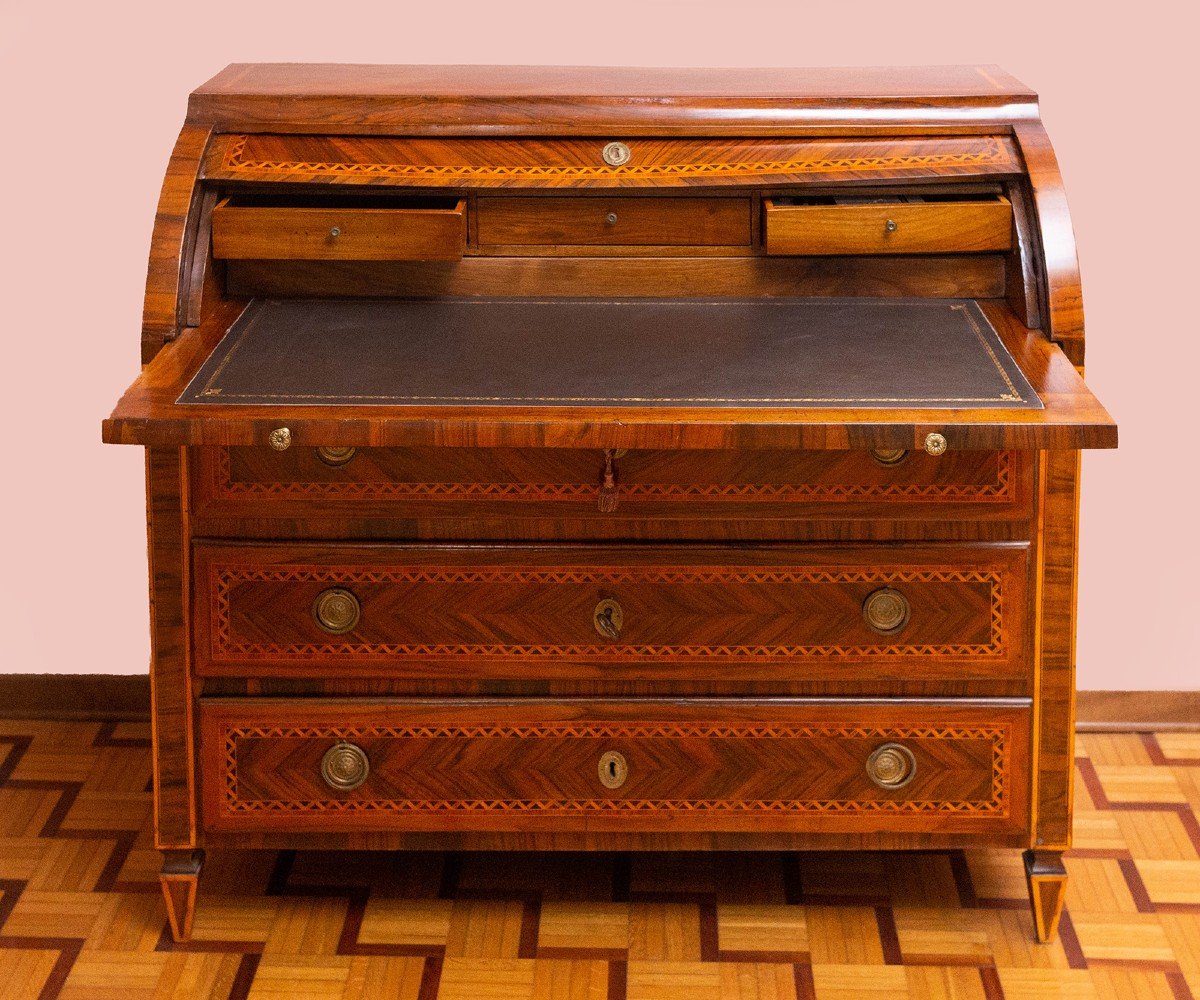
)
(611, 218)
(613, 768)
(608, 618)
(886, 611)
(889, 456)
(935, 443)
(336, 610)
(336, 456)
(280, 439)
(890, 226)
(345, 766)
(891, 766)
(334, 233)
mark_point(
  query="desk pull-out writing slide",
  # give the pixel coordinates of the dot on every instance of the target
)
(610, 460)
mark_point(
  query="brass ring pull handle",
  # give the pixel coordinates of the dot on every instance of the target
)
(336, 610)
(280, 439)
(336, 456)
(891, 766)
(608, 618)
(935, 443)
(889, 456)
(886, 611)
(613, 768)
(344, 767)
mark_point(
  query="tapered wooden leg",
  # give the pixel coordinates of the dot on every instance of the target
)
(180, 877)
(1047, 880)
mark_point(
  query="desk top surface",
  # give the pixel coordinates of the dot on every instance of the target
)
(885, 353)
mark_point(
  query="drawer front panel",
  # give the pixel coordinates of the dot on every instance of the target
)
(931, 227)
(563, 482)
(953, 613)
(613, 221)
(342, 233)
(644, 766)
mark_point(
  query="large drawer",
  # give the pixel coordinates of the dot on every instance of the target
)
(526, 483)
(952, 613)
(613, 221)
(303, 765)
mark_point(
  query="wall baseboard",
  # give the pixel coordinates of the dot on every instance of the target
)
(126, 697)
(1137, 711)
(75, 697)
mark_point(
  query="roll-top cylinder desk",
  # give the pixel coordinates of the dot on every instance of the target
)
(612, 459)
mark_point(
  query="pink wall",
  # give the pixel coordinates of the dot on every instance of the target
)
(93, 97)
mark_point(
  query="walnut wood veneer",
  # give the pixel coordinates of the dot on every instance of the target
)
(611, 626)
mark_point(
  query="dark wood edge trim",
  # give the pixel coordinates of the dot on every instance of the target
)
(126, 697)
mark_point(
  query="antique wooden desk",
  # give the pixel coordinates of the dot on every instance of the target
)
(557, 458)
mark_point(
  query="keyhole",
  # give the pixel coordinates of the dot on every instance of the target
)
(613, 769)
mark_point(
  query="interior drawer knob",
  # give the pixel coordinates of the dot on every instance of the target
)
(345, 766)
(280, 439)
(890, 226)
(886, 611)
(891, 766)
(336, 610)
(334, 233)
(614, 769)
(935, 443)
(889, 456)
(608, 618)
(336, 456)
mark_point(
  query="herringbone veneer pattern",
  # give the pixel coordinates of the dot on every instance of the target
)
(81, 914)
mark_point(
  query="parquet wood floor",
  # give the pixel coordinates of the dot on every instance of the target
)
(81, 917)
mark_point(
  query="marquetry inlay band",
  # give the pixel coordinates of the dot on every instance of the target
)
(224, 578)
(995, 803)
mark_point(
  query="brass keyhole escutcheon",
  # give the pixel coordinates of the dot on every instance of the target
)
(345, 766)
(886, 611)
(336, 610)
(614, 769)
(336, 456)
(616, 154)
(889, 456)
(891, 766)
(608, 618)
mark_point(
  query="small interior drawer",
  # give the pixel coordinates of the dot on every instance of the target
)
(898, 225)
(613, 221)
(347, 228)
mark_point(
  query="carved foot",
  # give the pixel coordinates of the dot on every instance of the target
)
(1047, 881)
(179, 878)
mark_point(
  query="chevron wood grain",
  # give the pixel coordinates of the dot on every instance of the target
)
(81, 915)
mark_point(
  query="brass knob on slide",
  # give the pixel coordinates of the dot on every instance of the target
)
(891, 766)
(280, 439)
(336, 610)
(889, 456)
(613, 768)
(935, 444)
(886, 611)
(336, 456)
(890, 226)
(608, 618)
(345, 766)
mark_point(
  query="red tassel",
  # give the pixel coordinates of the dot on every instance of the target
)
(608, 490)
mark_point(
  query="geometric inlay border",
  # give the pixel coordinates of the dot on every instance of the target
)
(224, 577)
(997, 804)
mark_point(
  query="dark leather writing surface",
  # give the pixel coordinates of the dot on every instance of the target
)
(626, 352)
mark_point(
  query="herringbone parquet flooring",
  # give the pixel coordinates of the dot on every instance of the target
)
(81, 916)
